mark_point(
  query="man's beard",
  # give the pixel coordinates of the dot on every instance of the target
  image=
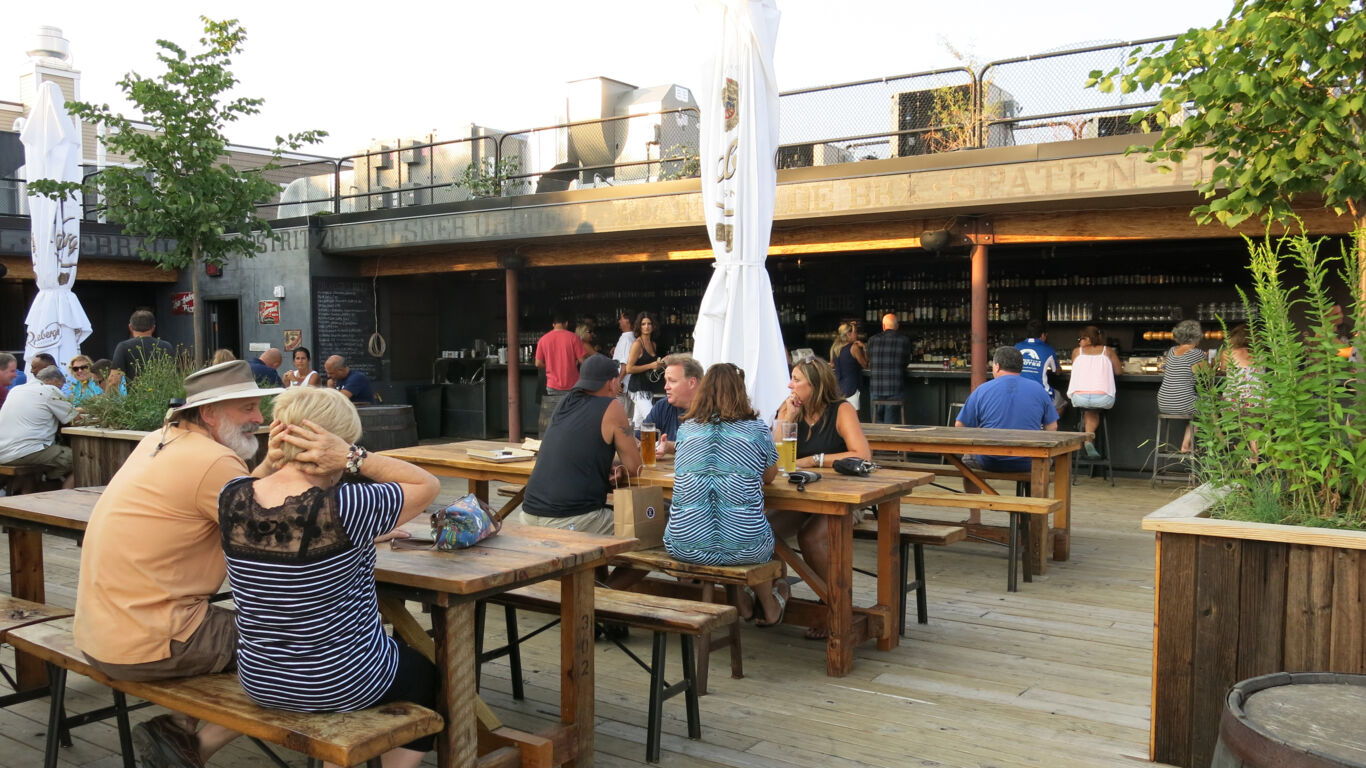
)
(241, 440)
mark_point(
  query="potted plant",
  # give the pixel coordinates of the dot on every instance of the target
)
(1261, 569)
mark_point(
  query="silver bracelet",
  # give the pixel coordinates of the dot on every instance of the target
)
(820, 460)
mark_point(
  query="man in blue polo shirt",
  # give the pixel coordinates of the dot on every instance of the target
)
(264, 368)
(682, 376)
(1008, 401)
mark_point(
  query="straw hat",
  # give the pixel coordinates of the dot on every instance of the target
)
(226, 381)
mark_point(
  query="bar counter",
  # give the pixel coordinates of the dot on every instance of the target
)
(1132, 421)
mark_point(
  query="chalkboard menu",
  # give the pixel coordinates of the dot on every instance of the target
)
(343, 319)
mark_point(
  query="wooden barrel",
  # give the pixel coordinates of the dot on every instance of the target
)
(387, 426)
(1301, 720)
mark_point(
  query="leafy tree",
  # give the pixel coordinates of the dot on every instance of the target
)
(179, 186)
(1275, 92)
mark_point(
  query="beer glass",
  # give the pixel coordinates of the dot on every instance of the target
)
(785, 440)
(649, 435)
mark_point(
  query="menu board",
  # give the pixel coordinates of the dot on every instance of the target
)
(343, 319)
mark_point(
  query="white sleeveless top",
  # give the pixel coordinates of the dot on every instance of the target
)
(308, 380)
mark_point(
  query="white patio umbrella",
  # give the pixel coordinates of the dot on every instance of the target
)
(52, 150)
(738, 322)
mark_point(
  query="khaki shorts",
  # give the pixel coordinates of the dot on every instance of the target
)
(600, 521)
(59, 456)
(212, 648)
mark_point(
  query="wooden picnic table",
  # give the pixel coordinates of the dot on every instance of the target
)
(836, 495)
(449, 582)
(1041, 447)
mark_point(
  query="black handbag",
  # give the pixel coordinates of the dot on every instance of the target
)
(852, 465)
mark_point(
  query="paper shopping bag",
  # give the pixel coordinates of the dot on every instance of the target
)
(641, 514)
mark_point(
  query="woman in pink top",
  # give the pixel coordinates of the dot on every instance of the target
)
(1092, 386)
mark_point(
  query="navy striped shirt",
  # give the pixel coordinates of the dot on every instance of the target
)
(303, 580)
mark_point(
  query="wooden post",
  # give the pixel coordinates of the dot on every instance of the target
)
(979, 315)
(511, 262)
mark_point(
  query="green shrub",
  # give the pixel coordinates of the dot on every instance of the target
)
(161, 378)
(1294, 454)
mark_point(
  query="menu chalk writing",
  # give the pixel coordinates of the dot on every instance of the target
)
(343, 319)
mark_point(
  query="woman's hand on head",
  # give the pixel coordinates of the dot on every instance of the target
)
(320, 451)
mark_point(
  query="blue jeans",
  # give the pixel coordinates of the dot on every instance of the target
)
(887, 414)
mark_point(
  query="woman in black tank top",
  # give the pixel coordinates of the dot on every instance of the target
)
(827, 429)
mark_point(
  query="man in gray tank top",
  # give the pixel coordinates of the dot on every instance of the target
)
(587, 445)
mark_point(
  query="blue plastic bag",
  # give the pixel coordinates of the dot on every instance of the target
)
(463, 524)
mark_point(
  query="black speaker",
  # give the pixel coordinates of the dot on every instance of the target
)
(935, 239)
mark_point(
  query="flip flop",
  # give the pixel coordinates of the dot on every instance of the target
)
(782, 609)
(753, 604)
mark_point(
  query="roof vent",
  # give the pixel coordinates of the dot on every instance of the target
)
(51, 44)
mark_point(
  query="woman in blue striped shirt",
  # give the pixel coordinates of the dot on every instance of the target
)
(301, 559)
(724, 457)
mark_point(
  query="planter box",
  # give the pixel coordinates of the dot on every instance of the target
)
(96, 454)
(1235, 600)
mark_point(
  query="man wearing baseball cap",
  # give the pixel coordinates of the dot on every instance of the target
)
(588, 438)
(152, 557)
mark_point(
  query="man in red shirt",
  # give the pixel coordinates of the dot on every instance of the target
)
(559, 353)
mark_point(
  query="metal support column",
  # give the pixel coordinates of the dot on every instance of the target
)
(511, 262)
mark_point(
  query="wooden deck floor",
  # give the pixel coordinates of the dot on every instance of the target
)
(1054, 675)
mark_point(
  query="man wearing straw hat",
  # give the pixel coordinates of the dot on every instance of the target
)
(152, 557)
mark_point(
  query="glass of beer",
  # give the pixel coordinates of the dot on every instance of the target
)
(785, 440)
(649, 435)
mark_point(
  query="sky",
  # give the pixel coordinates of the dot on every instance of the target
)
(377, 71)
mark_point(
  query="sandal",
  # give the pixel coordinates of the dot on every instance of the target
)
(753, 605)
(782, 609)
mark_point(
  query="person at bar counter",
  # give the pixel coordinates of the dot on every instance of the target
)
(152, 556)
(1007, 401)
(1092, 385)
(827, 429)
(646, 367)
(888, 354)
(130, 353)
(1040, 359)
(1176, 395)
(350, 382)
(559, 352)
(850, 357)
(300, 553)
(725, 458)
(682, 375)
(622, 353)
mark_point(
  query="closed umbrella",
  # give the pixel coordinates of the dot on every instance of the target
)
(52, 150)
(738, 322)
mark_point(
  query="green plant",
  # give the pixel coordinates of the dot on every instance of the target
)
(491, 177)
(161, 378)
(680, 162)
(1290, 450)
(176, 186)
(1274, 92)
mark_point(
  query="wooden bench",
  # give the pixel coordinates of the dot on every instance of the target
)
(21, 478)
(1021, 479)
(914, 536)
(1020, 508)
(344, 738)
(662, 616)
(732, 578)
(16, 613)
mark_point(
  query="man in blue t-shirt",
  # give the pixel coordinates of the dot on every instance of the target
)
(682, 376)
(1008, 401)
(352, 383)
(264, 367)
(1039, 357)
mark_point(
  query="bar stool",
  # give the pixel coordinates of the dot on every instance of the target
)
(1081, 461)
(899, 404)
(1164, 457)
(954, 409)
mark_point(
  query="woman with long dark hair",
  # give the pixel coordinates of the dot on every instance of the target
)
(645, 363)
